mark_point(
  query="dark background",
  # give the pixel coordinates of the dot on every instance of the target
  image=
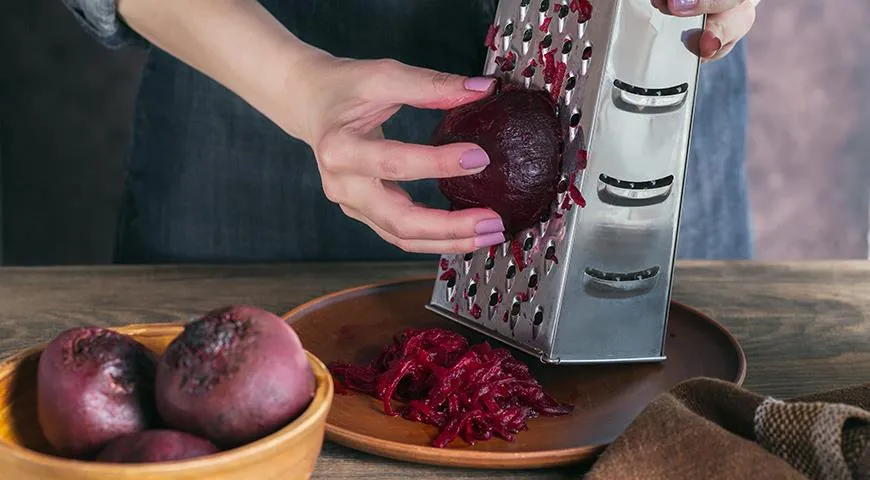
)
(66, 104)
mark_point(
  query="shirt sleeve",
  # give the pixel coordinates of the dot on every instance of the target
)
(100, 19)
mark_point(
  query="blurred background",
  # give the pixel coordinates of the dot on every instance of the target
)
(66, 104)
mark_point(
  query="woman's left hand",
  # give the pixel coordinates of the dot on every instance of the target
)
(727, 22)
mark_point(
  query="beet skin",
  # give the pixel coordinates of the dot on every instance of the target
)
(233, 376)
(519, 130)
(94, 385)
(152, 446)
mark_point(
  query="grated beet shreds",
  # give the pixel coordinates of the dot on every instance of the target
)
(473, 392)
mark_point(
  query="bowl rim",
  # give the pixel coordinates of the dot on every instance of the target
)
(316, 411)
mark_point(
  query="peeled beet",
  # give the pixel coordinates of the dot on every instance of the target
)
(519, 130)
(233, 376)
(93, 385)
(152, 446)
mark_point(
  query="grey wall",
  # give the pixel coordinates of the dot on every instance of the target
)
(65, 105)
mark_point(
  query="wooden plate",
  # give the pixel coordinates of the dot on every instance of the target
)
(354, 325)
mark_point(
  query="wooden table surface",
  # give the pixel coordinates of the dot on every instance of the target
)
(805, 327)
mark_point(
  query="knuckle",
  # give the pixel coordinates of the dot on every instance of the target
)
(460, 246)
(333, 193)
(385, 64)
(441, 82)
(330, 152)
(404, 245)
(389, 167)
(392, 226)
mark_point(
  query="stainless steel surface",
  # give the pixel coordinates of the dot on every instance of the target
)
(590, 284)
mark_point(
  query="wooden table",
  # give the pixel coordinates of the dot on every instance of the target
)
(805, 326)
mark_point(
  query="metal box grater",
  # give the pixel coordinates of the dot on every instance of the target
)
(592, 282)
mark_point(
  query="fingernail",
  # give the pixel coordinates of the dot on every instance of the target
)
(685, 5)
(492, 225)
(489, 240)
(479, 84)
(474, 159)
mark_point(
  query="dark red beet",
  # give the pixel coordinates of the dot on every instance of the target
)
(474, 392)
(152, 446)
(94, 385)
(520, 132)
(235, 375)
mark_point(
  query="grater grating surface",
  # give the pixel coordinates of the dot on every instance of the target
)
(591, 283)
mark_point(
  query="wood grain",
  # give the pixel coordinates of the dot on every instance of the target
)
(805, 327)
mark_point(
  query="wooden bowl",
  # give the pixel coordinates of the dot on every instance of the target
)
(290, 453)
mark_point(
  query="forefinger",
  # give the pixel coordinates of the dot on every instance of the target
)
(398, 161)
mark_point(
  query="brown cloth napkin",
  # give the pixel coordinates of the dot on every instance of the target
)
(709, 429)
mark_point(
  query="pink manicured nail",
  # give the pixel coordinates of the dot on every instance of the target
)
(474, 159)
(685, 5)
(492, 225)
(479, 84)
(489, 240)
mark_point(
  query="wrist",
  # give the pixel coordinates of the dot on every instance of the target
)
(237, 43)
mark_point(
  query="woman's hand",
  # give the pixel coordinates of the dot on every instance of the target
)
(337, 106)
(348, 102)
(727, 22)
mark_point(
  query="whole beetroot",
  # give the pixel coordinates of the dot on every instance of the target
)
(93, 385)
(233, 376)
(152, 446)
(519, 130)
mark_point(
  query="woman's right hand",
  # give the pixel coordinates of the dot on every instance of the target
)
(346, 105)
(337, 106)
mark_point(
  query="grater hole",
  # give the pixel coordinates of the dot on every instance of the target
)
(562, 186)
(571, 83)
(525, 3)
(494, 298)
(511, 271)
(489, 263)
(451, 282)
(567, 46)
(545, 5)
(508, 62)
(550, 253)
(529, 71)
(547, 41)
(508, 30)
(538, 319)
(575, 119)
(528, 243)
(563, 10)
(587, 51)
(527, 34)
(472, 290)
(533, 280)
(468, 257)
(515, 307)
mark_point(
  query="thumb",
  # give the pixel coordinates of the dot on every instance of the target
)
(698, 7)
(397, 83)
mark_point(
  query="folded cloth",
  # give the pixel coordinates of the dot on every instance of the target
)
(710, 429)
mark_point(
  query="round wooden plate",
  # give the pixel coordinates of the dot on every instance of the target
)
(353, 325)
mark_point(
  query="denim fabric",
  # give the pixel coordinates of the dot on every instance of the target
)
(209, 179)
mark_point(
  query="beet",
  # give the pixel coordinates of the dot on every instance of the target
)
(474, 392)
(519, 130)
(152, 446)
(94, 385)
(233, 376)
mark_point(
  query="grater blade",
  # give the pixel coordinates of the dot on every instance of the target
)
(592, 282)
